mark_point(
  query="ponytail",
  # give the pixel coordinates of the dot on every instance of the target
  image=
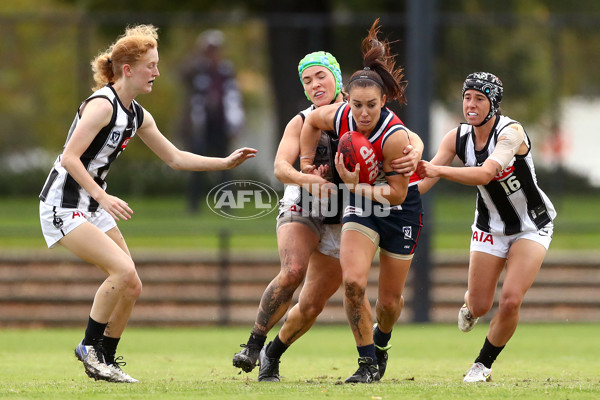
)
(127, 49)
(379, 68)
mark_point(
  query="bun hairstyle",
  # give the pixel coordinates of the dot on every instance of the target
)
(127, 49)
(379, 68)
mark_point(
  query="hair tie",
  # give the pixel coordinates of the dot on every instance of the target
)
(367, 68)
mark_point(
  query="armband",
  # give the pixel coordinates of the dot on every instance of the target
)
(507, 146)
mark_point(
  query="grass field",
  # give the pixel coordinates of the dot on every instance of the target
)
(543, 361)
(162, 223)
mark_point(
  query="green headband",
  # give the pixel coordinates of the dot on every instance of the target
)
(323, 59)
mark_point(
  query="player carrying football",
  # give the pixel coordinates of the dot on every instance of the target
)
(392, 225)
(308, 242)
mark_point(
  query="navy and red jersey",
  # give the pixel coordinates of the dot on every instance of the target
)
(400, 218)
(388, 124)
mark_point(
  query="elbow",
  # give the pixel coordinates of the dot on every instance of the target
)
(487, 172)
(399, 197)
(66, 161)
(277, 170)
(174, 164)
(402, 198)
(486, 178)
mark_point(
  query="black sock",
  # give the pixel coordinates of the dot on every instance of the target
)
(276, 348)
(488, 354)
(109, 345)
(367, 351)
(257, 340)
(381, 339)
(93, 332)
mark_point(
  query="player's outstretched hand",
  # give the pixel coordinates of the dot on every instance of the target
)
(427, 170)
(239, 156)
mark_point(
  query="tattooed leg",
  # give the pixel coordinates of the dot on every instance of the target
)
(358, 312)
(277, 297)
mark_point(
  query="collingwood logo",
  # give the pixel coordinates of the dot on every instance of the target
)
(114, 139)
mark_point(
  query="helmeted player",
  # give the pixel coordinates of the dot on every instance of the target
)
(513, 217)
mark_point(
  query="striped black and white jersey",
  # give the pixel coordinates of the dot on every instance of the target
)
(302, 198)
(61, 189)
(326, 149)
(512, 202)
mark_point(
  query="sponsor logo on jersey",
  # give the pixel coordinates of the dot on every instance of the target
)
(242, 199)
(504, 173)
(369, 156)
(125, 143)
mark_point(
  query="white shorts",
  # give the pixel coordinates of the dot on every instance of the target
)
(57, 222)
(499, 245)
(330, 240)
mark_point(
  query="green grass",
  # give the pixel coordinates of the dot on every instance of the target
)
(542, 361)
(163, 224)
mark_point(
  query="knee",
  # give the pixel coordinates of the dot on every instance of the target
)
(354, 279)
(291, 276)
(311, 309)
(510, 304)
(131, 281)
(479, 308)
(135, 287)
(390, 303)
(354, 291)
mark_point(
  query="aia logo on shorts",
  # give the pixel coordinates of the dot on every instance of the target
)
(242, 200)
(482, 237)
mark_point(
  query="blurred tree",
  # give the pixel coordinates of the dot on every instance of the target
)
(544, 50)
(534, 37)
(287, 42)
(531, 36)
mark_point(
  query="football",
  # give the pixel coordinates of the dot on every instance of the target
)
(357, 149)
